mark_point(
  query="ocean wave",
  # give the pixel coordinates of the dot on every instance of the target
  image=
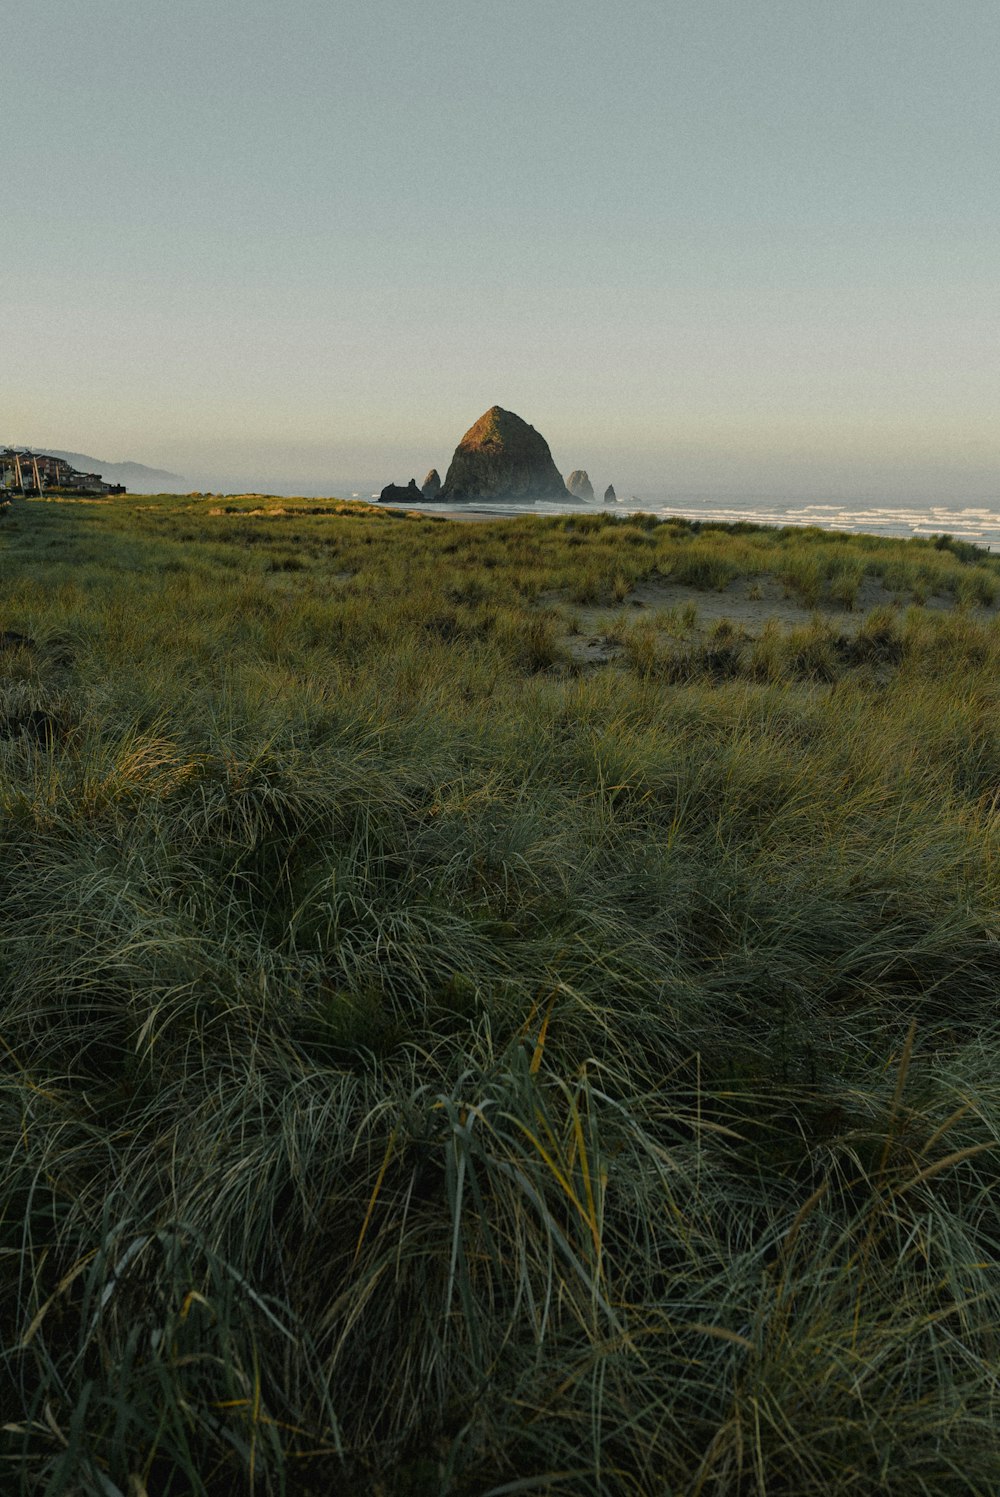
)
(979, 524)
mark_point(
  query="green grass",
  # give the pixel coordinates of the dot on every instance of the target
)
(429, 1066)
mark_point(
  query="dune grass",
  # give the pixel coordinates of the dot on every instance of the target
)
(427, 1067)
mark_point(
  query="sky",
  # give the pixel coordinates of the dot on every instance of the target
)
(710, 246)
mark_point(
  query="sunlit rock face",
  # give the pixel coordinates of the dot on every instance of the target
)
(431, 486)
(579, 484)
(502, 457)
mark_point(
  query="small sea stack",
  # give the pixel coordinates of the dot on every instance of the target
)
(610, 497)
(394, 493)
(431, 486)
(579, 484)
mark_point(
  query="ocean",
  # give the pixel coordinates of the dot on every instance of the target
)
(979, 523)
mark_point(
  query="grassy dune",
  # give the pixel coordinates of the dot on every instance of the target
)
(431, 1063)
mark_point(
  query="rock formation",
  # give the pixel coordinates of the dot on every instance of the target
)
(394, 493)
(431, 486)
(502, 457)
(610, 497)
(579, 484)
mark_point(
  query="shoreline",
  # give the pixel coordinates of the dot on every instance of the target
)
(979, 525)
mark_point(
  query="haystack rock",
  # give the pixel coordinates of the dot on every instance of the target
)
(610, 497)
(431, 486)
(394, 493)
(502, 457)
(579, 484)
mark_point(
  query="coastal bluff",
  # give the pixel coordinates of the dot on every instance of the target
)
(502, 457)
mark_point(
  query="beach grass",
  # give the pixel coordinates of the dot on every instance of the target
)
(433, 1063)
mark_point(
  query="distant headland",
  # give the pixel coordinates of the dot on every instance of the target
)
(30, 471)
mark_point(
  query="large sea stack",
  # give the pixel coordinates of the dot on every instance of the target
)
(502, 457)
(579, 484)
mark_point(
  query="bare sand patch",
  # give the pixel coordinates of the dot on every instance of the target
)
(748, 604)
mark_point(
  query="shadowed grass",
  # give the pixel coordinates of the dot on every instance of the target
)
(427, 1069)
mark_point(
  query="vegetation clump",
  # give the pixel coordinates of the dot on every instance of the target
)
(432, 1064)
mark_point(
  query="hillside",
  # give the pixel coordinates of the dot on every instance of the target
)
(135, 476)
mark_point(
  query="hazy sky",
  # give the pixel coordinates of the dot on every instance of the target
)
(719, 245)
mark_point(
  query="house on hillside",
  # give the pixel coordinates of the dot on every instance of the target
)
(25, 472)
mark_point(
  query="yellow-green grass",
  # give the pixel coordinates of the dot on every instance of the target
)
(432, 1066)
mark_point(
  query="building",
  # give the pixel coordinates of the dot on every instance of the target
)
(25, 472)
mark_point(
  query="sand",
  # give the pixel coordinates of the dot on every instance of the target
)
(749, 605)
